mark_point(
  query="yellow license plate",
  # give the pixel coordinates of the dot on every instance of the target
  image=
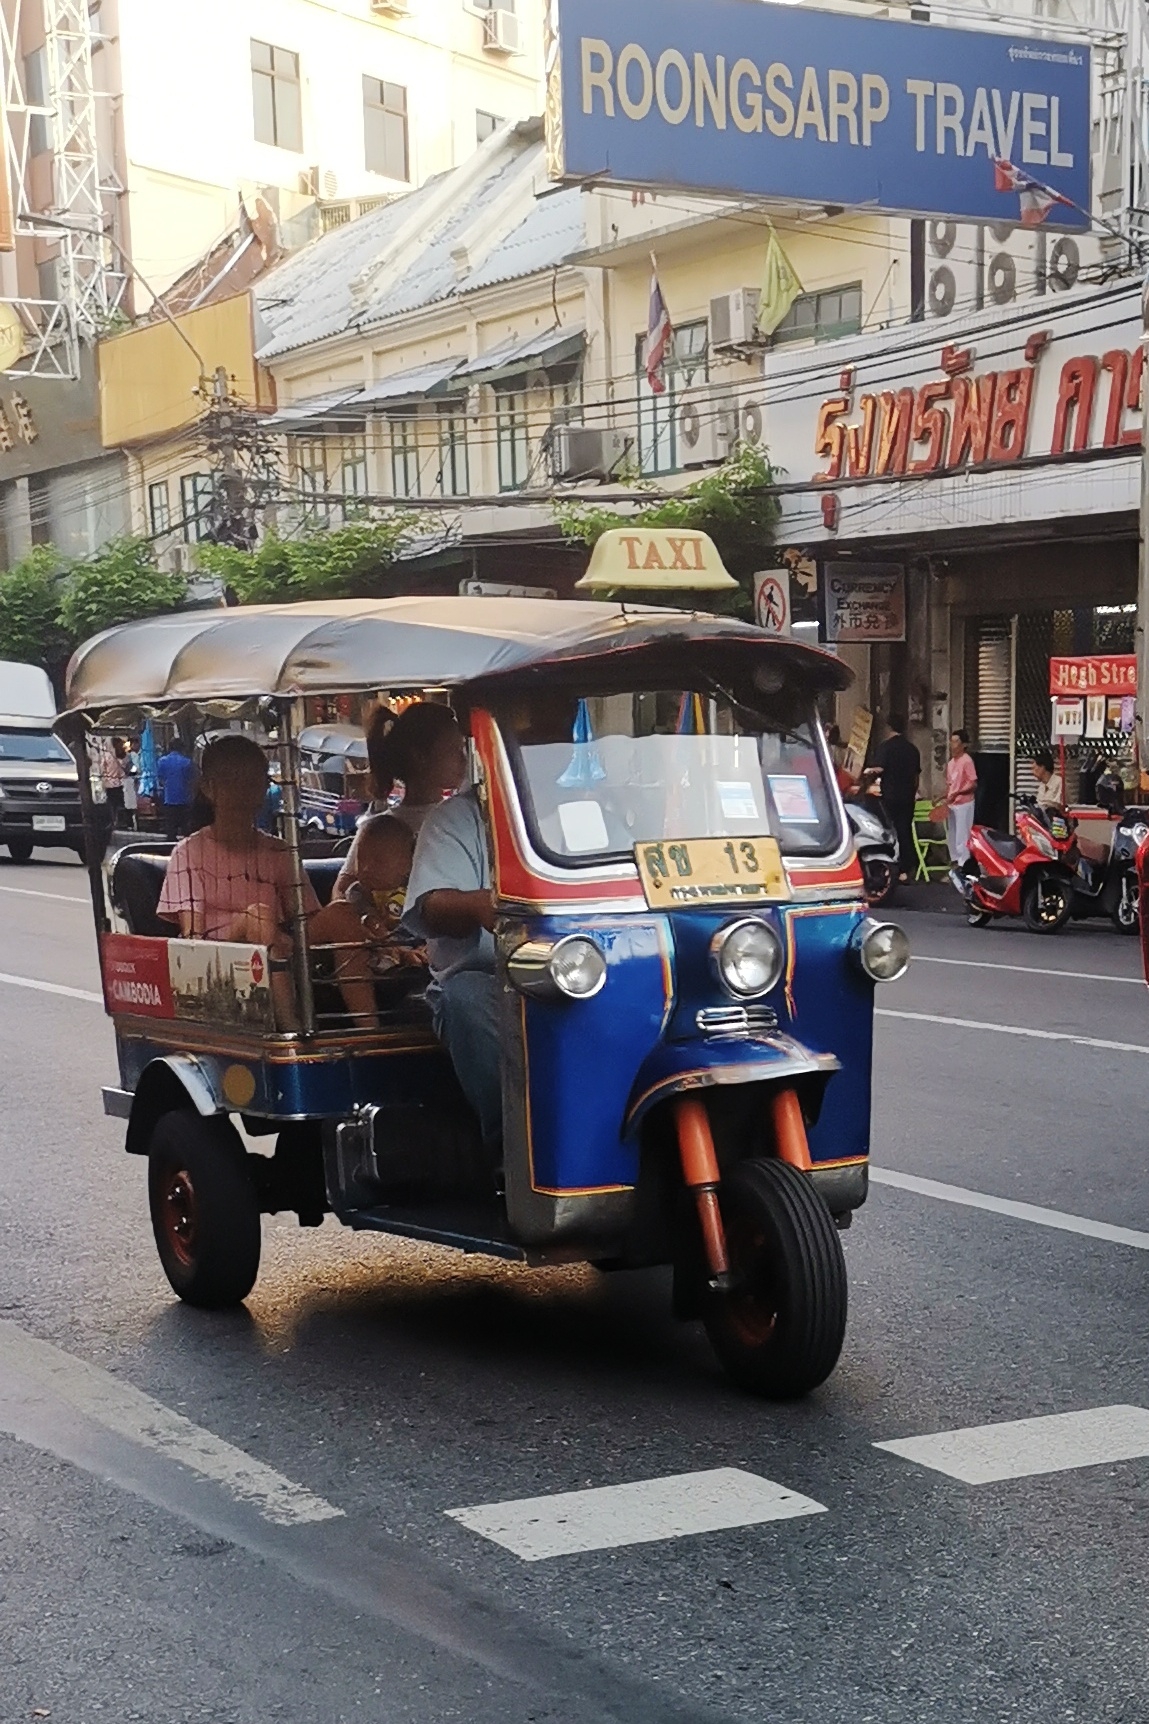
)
(679, 872)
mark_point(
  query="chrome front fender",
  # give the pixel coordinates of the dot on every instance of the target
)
(675, 1067)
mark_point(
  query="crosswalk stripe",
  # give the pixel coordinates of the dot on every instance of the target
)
(607, 1517)
(1025, 1448)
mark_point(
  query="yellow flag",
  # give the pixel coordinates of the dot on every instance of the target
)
(780, 286)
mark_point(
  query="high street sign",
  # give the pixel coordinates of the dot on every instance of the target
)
(788, 102)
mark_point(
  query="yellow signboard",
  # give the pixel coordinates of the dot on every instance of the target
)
(656, 559)
(711, 871)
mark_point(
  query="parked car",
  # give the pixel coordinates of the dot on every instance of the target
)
(39, 783)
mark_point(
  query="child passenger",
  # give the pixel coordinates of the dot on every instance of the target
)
(230, 881)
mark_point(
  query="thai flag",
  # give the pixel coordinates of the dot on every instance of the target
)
(658, 338)
(1036, 200)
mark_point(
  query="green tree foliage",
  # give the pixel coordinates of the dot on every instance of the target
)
(735, 503)
(326, 563)
(120, 583)
(30, 594)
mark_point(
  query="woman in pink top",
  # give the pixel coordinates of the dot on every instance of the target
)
(961, 786)
(230, 881)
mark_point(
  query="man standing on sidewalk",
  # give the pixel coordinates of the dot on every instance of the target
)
(176, 776)
(900, 765)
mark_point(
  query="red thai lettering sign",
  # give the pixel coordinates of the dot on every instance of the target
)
(1103, 673)
(136, 977)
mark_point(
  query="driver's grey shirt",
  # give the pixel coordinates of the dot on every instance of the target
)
(450, 856)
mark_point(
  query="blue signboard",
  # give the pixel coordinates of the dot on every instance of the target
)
(774, 101)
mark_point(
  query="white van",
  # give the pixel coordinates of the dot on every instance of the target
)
(39, 784)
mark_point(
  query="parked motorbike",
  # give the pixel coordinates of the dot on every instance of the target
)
(1106, 884)
(1030, 874)
(876, 843)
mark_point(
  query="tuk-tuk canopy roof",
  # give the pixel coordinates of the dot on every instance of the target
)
(360, 645)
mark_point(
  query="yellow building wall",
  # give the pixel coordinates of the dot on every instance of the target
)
(150, 377)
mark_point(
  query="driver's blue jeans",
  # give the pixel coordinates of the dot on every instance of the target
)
(467, 1022)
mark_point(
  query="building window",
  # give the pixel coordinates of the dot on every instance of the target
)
(385, 129)
(454, 478)
(404, 458)
(490, 5)
(309, 465)
(822, 316)
(512, 434)
(159, 509)
(35, 85)
(276, 96)
(196, 494)
(352, 474)
(485, 124)
(687, 363)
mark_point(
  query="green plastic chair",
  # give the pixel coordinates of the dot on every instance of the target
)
(925, 840)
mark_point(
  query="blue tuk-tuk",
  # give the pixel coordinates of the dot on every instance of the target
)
(685, 965)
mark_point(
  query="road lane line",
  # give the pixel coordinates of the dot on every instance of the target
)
(51, 988)
(129, 1413)
(1034, 1212)
(607, 1517)
(1024, 1448)
(1017, 1030)
(56, 897)
(1023, 970)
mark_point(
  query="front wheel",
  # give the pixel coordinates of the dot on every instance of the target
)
(1125, 917)
(879, 878)
(205, 1209)
(1047, 903)
(780, 1329)
(978, 918)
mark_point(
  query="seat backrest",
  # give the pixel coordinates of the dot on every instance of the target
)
(137, 880)
(323, 871)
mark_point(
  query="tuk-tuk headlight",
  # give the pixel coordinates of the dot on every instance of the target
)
(883, 950)
(574, 967)
(748, 957)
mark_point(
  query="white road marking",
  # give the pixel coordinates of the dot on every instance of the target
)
(56, 897)
(640, 1513)
(51, 988)
(1016, 1030)
(1027, 970)
(1008, 1206)
(1023, 1448)
(120, 1408)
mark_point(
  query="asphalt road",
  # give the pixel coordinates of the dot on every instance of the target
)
(268, 1536)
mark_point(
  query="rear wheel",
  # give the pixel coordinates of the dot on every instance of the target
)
(20, 849)
(205, 1209)
(780, 1330)
(1047, 903)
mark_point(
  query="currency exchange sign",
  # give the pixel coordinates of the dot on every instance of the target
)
(774, 101)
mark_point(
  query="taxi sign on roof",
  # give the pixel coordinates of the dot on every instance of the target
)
(656, 559)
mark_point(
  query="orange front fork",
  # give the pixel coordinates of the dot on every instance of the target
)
(700, 1172)
(700, 1165)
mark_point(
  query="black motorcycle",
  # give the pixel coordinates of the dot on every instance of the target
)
(877, 845)
(1108, 887)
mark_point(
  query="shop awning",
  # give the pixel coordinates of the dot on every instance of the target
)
(512, 358)
(297, 415)
(434, 378)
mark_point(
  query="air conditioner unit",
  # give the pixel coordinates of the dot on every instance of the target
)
(697, 428)
(741, 416)
(501, 31)
(177, 560)
(588, 451)
(390, 8)
(734, 318)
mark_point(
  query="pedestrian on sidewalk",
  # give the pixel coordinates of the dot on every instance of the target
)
(900, 765)
(961, 787)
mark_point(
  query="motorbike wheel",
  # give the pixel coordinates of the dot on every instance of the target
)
(1047, 904)
(1126, 917)
(878, 880)
(205, 1209)
(779, 1332)
(978, 918)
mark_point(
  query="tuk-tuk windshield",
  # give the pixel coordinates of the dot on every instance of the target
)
(600, 774)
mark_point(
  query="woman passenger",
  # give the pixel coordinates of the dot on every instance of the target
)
(422, 749)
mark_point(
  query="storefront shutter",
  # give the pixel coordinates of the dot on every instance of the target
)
(992, 729)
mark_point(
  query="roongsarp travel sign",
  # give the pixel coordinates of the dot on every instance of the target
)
(771, 101)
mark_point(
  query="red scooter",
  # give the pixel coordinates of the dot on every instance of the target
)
(1028, 875)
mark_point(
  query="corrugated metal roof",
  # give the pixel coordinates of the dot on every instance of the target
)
(313, 295)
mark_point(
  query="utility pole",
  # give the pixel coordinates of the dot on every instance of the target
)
(1141, 731)
(245, 470)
